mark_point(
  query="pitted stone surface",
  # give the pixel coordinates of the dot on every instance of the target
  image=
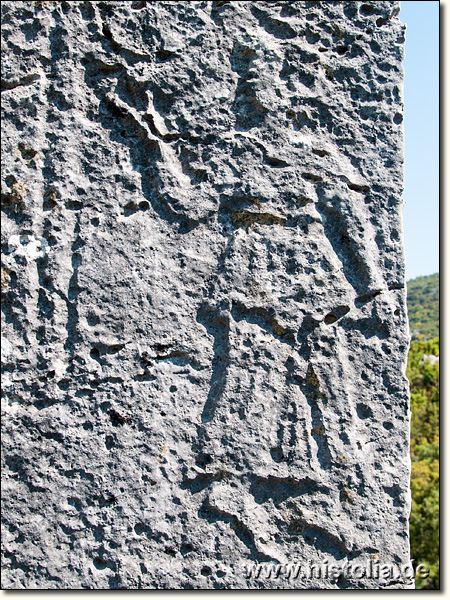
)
(203, 294)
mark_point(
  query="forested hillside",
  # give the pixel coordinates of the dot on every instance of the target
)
(423, 307)
(423, 374)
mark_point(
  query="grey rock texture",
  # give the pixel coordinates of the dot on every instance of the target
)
(203, 294)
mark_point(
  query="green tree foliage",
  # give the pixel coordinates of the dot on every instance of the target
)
(423, 307)
(423, 374)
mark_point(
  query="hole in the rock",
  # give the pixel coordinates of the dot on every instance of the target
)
(95, 353)
(163, 55)
(139, 528)
(276, 454)
(337, 313)
(364, 411)
(117, 418)
(366, 10)
(203, 460)
(92, 319)
(321, 153)
(330, 318)
(186, 548)
(63, 384)
(99, 563)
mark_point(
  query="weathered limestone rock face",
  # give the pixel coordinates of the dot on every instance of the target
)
(203, 291)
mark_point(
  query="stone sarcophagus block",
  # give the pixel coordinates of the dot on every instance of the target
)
(203, 296)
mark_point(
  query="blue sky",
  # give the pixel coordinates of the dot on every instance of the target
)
(421, 122)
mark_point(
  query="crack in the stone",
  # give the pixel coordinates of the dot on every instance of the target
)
(218, 325)
(23, 81)
(310, 387)
(243, 532)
